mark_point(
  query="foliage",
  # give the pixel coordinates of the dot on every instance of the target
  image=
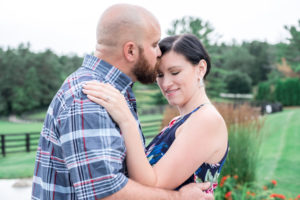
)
(238, 83)
(216, 82)
(293, 51)
(29, 80)
(194, 26)
(231, 190)
(264, 92)
(288, 91)
(263, 60)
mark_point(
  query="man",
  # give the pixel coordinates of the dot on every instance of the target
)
(81, 154)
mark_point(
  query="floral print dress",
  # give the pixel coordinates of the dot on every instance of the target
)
(161, 143)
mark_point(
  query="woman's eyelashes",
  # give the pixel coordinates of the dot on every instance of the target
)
(174, 73)
(160, 75)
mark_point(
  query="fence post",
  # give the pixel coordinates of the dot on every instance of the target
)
(27, 142)
(3, 144)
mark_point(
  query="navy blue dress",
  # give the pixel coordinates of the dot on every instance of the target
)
(161, 143)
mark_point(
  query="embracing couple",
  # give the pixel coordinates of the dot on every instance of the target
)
(91, 144)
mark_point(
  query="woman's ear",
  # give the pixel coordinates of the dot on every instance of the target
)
(130, 51)
(202, 67)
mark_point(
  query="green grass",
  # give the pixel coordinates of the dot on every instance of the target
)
(279, 155)
(37, 115)
(18, 165)
(9, 127)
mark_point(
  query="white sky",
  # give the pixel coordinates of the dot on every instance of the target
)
(68, 26)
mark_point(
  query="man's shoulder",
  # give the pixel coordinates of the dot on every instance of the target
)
(70, 92)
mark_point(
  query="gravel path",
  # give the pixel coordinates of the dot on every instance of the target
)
(15, 189)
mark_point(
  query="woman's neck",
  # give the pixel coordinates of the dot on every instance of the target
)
(197, 99)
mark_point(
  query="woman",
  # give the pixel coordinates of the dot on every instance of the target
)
(193, 147)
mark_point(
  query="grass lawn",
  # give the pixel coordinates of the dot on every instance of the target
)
(9, 127)
(279, 155)
(19, 165)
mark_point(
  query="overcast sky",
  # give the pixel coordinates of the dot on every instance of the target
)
(68, 26)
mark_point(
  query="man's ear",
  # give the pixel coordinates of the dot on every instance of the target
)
(130, 51)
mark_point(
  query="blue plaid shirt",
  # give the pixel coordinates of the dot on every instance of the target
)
(81, 153)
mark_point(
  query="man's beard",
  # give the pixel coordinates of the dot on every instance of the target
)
(143, 70)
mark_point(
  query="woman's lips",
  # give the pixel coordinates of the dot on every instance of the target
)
(171, 92)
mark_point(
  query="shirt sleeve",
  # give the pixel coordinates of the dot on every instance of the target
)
(94, 150)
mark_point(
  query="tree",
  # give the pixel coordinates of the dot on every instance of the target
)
(29, 80)
(238, 59)
(262, 63)
(238, 82)
(293, 51)
(194, 26)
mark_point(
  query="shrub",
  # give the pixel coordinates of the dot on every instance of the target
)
(238, 82)
(288, 91)
(264, 92)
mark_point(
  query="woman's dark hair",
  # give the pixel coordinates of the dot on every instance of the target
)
(187, 45)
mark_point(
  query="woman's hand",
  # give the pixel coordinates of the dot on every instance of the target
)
(111, 99)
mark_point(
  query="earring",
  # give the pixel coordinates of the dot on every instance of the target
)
(201, 83)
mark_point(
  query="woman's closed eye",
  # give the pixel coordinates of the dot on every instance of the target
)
(174, 73)
(159, 74)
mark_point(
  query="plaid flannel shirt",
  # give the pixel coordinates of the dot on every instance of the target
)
(81, 153)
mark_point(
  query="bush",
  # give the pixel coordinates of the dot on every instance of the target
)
(288, 91)
(264, 92)
(238, 82)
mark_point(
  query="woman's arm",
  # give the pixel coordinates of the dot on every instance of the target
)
(185, 155)
(114, 102)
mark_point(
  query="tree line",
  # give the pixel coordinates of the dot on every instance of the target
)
(29, 80)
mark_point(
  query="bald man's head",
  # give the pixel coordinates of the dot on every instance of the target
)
(122, 23)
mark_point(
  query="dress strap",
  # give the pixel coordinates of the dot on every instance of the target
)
(183, 118)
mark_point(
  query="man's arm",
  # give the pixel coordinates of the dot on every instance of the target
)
(136, 191)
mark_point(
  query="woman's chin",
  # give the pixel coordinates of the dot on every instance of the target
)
(172, 103)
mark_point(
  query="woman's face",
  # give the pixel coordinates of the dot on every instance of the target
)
(177, 78)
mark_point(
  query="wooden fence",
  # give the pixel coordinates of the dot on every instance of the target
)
(21, 142)
(27, 142)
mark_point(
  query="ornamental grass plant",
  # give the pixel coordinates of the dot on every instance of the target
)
(244, 124)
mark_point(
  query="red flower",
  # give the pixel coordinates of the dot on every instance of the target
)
(235, 177)
(274, 182)
(228, 195)
(265, 187)
(279, 196)
(250, 193)
(224, 178)
(298, 197)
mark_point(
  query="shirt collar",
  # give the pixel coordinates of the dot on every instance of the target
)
(110, 73)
